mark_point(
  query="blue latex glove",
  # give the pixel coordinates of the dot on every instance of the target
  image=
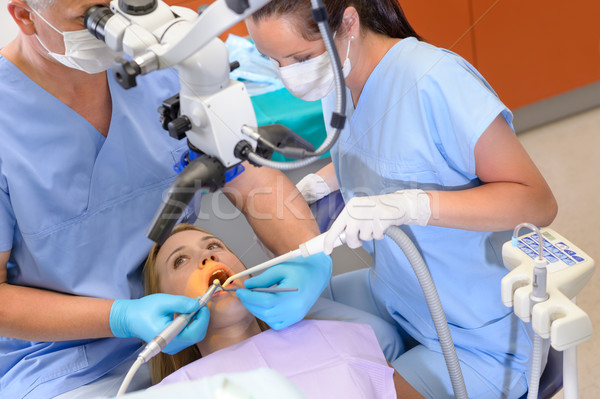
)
(146, 317)
(281, 309)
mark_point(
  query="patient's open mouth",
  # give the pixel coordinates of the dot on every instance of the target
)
(220, 275)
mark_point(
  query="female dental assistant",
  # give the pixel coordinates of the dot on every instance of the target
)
(428, 146)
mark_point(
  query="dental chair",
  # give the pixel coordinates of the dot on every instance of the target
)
(326, 210)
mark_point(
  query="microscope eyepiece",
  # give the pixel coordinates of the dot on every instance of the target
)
(95, 20)
(138, 7)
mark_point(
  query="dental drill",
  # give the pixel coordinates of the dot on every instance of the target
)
(159, 342)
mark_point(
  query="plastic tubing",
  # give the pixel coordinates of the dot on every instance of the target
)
(533, 228)
(435, 308)
(539, 294)
(129, 376)
(536, 367)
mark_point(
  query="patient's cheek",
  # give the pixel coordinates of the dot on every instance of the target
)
(195, 285)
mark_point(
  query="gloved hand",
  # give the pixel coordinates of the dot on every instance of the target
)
(313, 187)
(146, 317)
(281, 309)
(367, 218)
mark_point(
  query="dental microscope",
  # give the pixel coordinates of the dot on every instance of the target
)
(214, 112)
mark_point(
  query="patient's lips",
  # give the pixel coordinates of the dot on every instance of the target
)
(203, 277)
(215, 270)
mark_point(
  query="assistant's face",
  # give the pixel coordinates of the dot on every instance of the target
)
(277, 38)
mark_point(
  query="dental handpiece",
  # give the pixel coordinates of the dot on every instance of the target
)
(159, 342)
(310, 247)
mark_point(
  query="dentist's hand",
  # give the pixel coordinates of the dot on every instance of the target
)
(313, 187)
(144, 318)
(366, 218)
(279, 310)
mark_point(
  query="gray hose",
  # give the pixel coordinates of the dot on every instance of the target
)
(536, 367)
(435, 307)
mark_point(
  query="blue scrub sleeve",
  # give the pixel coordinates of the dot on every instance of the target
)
(7, 219)
(460, 105)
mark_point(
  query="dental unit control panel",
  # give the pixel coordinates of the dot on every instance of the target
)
(568, 270)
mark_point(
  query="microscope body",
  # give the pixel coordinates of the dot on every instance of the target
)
(212, 106)
(211, 110)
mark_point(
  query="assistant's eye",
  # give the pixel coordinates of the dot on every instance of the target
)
(179, 261)
(302, 59)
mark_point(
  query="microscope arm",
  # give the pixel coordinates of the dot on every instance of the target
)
(214, 20)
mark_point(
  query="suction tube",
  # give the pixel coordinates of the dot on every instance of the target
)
(435, 308)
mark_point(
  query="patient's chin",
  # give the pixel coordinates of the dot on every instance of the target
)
(227, 310)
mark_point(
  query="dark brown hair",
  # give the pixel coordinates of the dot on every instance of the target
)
(381, 16)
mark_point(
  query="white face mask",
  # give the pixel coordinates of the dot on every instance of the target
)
(313, 79)
(82, 50)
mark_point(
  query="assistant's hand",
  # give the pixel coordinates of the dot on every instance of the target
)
(146, 317)
(367, 218)
(279, 310)
(313, 187)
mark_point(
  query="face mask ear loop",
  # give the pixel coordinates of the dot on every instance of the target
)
(46, 21)
(348, 51)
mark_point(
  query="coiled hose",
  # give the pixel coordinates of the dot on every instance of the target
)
(435, 308)
(536, 367)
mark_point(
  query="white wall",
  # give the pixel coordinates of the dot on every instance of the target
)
(8, 28)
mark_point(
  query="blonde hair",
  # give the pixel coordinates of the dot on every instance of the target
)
(164, 364)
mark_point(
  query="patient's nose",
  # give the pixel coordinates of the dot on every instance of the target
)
(208, 260)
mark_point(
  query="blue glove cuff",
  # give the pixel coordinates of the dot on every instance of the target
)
(117, 320)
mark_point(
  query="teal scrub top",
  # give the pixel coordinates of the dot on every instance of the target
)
(74, 209)
(415, 126)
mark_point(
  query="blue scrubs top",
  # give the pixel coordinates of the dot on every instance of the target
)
(74, 209)
(416, 124)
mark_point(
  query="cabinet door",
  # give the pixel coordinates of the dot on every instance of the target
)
(443, 23)
(532, 50)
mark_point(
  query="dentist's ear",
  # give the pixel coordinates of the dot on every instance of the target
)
(21, 13)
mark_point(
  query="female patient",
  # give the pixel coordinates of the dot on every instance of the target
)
(322, 358)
